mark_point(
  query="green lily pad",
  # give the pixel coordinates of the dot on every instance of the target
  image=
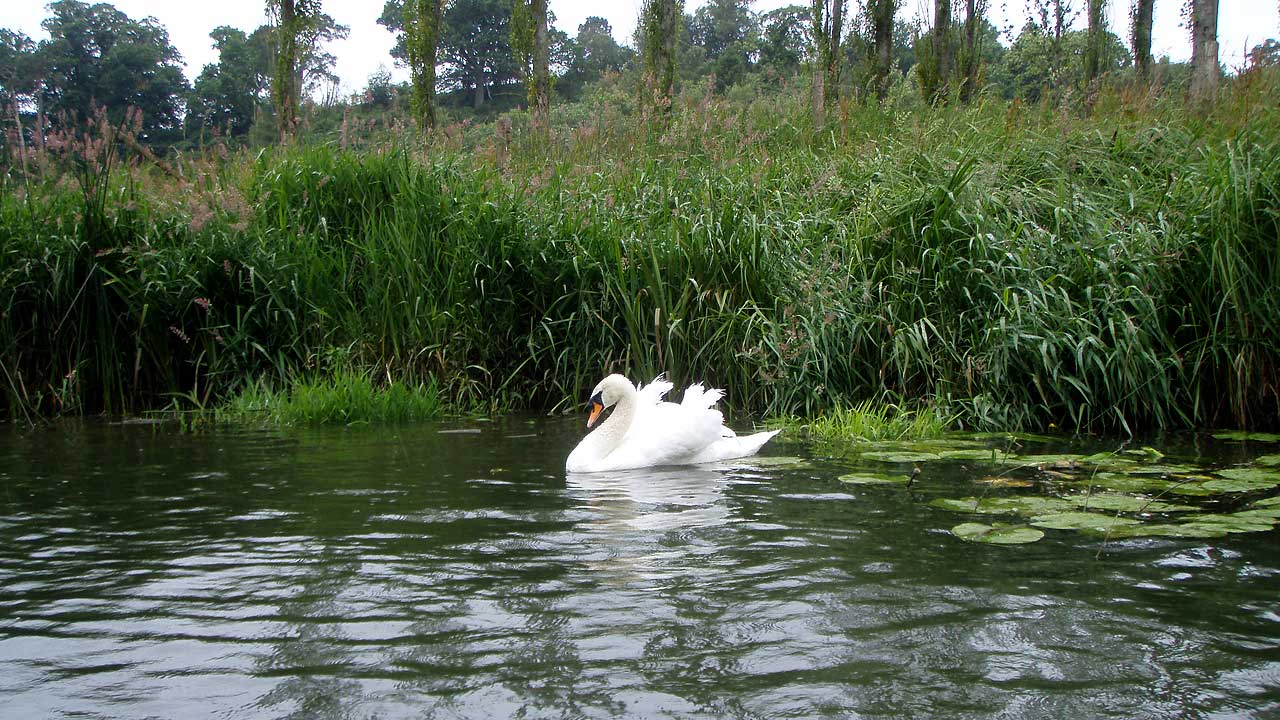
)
(1004, 481)
(1268, 461)
(869, 478)
(1021, 505)
(1080, 521)
(776, 461)
(1121, 482)
(998, 534)
(1126, 503)
(1195, 489)
(991, 455)
(1243, 480)
(1164, 470)
(900, 456)
(1267, 502)
(1234, 523)
(1243, 436)
(1054, 461)
(1270, 514)
(1180, 530)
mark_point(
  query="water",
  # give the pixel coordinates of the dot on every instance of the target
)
(411, 573)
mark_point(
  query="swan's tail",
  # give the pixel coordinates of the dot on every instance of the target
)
(728, 448)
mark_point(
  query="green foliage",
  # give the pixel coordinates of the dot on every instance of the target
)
(344, 398)
(228, 94)
(1007, 266)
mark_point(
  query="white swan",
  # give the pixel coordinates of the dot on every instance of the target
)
(644, 431)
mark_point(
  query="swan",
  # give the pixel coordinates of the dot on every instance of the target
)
(644, 431)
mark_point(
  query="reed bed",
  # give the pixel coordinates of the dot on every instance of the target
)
(1012, 267)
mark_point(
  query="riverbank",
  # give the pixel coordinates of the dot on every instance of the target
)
(1008, 266)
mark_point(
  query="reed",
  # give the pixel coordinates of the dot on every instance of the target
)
(1011, 266)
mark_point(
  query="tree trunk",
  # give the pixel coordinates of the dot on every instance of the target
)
(942, 48)
(972, 57)
(1096, 36)
(828, 29)
(541, 63)
(479, 98)
(658, 25)
(1143, 14)
(284, 88)
(1204, 50)
(422, 36)
(882, 15)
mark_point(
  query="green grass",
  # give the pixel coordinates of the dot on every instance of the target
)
(1015, 266)
(345, 398)
(870, 421)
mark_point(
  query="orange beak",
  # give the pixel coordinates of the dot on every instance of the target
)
(596, 409)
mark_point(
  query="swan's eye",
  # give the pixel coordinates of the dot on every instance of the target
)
(597, 399)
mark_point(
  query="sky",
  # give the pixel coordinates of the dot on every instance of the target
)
(1241, 25)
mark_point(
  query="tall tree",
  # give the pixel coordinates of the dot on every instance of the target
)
(1142, 14)
(284, 88)
(1204, 50)
(941, 47)
(827, 17)
(226, 95)
(784, 36)
(658, 26)
(725, 30)
(969, 67)
(881, 14)
(97, 57)
(421, 43)
(1096, 41)
(529, 40)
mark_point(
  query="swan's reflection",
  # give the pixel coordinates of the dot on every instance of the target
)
(648, 523)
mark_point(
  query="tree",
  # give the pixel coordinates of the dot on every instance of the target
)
(970, 61)
(658, 25)
(783, 38)
(422, 20)
(299, 29)
(529, 40)
(827, 17)
(97, 57)
(1204, 50)
(724, 29)
(1096, 37)
(1030, 68)
(18, 81)
(881, 13)
(227, 94)
(1142, 14)
(593, 53)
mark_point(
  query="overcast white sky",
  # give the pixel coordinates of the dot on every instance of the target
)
(1241, 25)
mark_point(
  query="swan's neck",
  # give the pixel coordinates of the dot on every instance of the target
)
(609, 435)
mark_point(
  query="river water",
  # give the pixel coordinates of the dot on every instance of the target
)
(453, 570)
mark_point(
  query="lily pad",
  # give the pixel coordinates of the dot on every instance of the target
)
(900, 456)
(775, 461)
(1080, 521)
(1180, 530)
(1267, 502)
(1270, 514)
(1058, 461)
(1126, 503)
(1145, 451)
(1164, 470)
(991, 455)
(1195, 488)
(1004, 481)
(1235, 523)
(869, 478)
(1243, 436)
(1268, 461)
(998, 534)
(1021, 505)
(1243, 480)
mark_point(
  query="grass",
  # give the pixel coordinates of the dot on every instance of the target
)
(1014, 266)
(870, 421)
(346, 398)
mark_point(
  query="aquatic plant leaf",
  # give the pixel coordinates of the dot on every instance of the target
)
(869, 478)
(775, 461)
(1164, 470)
(998, 534)
(1021, 505)
(1269, 514)
(1235, 523)
(1058, 461)
(900, 456)
(1004, 481)
(1249, 473)
(1080, 521)
(1267, 502)
(1126, 503)
(1181, 530)
(1267, 461)
(1243, 436)
(1243, 480)
(992, 455)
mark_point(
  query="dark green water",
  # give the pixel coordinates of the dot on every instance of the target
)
(408, 573)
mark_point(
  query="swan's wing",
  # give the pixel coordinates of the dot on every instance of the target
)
(696, 396)
(652, 394)
(668, 434)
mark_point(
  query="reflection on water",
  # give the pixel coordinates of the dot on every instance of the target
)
(412, 573)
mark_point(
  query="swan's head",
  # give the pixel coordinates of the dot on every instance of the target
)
(606, 395)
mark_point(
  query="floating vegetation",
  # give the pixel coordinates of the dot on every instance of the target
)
(991, 455)
(775, 461)
(900, 456)
(998, 534)
(869, 478)
(1243, 436)
(1004, 481)
(1081, 521)
(1127, 503)
(1268, 461)
(1019, 504)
